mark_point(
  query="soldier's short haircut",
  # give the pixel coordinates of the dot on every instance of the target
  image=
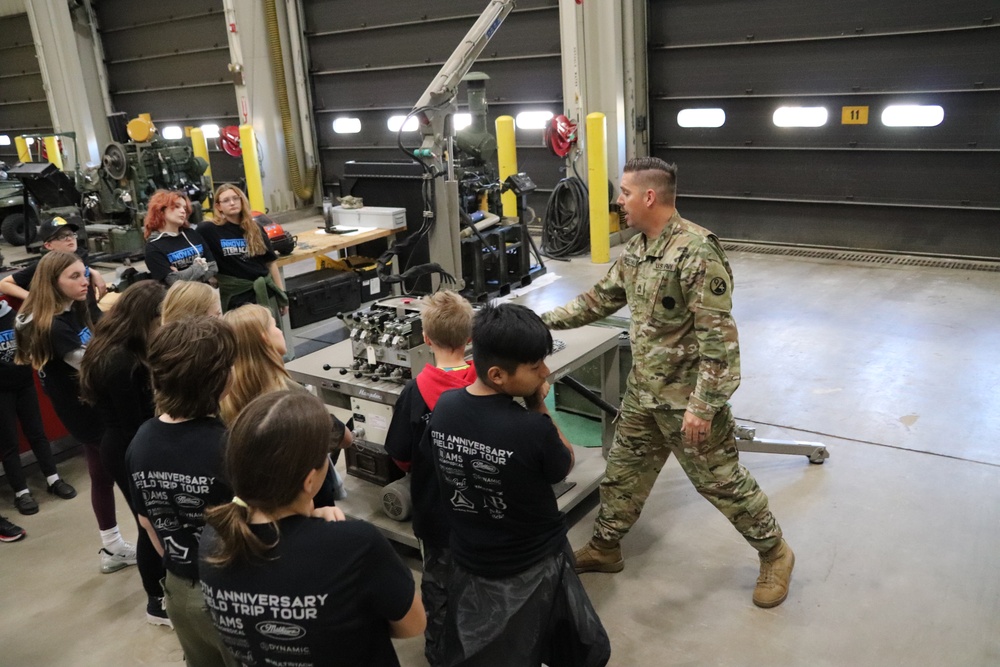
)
(447, 319)
(189, 364)
(655, 174)
(507, 336)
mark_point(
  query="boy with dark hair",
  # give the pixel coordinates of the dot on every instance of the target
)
(447, 325)
(495, 462)
(175, 463)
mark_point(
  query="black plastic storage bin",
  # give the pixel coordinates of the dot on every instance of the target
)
(320, 295)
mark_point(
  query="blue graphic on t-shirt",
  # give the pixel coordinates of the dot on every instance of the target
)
(184, 253)
(232, 247)
(84, 335)
(8, 346)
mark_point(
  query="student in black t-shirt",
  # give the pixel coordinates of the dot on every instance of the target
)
(495, 463)
(114, 378)
(19, 404)
(247, 269)
(287, 583)
(174, 251)
(175, 463)
(57, 234)
(53, 329)
(446, 319)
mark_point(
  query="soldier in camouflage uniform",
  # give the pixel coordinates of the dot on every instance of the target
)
(676, 280)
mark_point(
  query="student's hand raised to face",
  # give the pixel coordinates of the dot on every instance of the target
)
(536, 402)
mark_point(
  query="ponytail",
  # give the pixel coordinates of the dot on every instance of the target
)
(237, 542)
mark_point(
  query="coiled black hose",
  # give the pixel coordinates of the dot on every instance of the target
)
(566, 225)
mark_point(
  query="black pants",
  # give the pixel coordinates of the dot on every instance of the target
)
(22, 405)
(114, 444)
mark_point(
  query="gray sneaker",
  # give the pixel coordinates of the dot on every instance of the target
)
(112, 562)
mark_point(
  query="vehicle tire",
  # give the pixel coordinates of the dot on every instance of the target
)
(13, 230)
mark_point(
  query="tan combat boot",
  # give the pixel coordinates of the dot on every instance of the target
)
(599, 558)
(775, 572)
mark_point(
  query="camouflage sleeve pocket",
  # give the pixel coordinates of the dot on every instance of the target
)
(717, 288)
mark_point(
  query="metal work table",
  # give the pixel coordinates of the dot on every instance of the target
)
(364, 498)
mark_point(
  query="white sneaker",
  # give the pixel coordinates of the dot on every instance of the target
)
(112, 562)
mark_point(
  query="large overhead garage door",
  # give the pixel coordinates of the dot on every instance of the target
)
(23, 106)
(859, 174)
(170, 60)
(372, 60)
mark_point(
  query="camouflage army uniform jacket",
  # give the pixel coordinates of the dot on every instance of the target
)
(685, 349)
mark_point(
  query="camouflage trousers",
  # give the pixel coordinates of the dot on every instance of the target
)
(644, 439)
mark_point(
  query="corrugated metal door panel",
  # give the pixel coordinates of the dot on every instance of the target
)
(678, 22)
(23, 105)
(170, 60)
(834, 184)
(373, 60)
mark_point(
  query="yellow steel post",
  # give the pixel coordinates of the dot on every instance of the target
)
(200, 147)
(597, 184)
(23, 154)
(251, 168)
(507, 161)
(52, 152)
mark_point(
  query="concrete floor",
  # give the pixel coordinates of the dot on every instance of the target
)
(895, 369)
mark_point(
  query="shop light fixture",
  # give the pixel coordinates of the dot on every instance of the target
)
(172, 132)
(211, 131)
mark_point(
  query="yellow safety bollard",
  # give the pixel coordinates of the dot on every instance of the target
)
(507, 161)
(23, 154)
(200, 148)
(597, 184)
(52, 152)
(251, 168)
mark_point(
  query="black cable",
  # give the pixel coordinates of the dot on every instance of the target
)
(566, 224)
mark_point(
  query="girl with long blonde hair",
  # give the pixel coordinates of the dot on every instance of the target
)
(53, 329)
(258, 370)
(248, 272)
(189, 299)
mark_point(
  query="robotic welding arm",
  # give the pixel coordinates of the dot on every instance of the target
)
(436, 110)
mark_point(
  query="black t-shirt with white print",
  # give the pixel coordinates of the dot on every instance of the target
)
(165, 252)
(227, 245)
(324, 596)
(176, 473)
(496, 463)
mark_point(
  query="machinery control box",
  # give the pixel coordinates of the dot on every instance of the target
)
(387, 340)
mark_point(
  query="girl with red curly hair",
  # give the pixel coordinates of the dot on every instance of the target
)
(174, 251)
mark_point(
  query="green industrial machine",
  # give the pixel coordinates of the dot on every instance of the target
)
(115, 194)
(111, 198)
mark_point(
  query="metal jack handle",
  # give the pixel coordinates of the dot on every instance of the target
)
(746, 437)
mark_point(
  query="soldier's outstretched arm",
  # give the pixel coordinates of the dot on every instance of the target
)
(601, 300)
